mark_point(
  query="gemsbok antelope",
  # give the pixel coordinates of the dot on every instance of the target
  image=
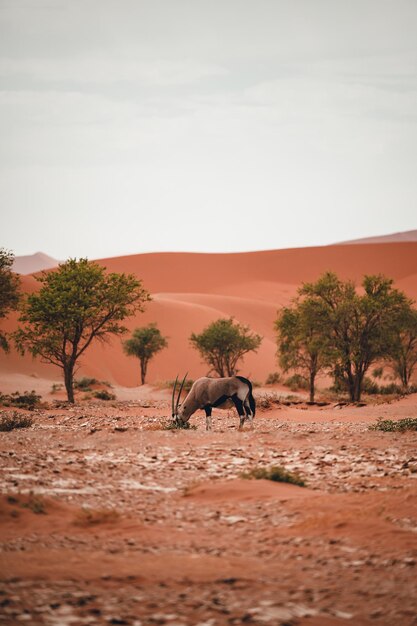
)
(208, 393)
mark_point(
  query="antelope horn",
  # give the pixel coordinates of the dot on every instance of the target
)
(173, 395)
(179, 394)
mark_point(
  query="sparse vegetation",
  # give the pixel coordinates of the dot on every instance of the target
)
(187, 385)
(33, 502)
(175, 426)
(56, 387)
(275, 473)
(296, 382)
(27, 400)
(84, 384)
(14, 420)
(92, 517)
(273, 378)
(267, 400)
(36, 504)
(103, 394)
(378, 372)
(401, 425)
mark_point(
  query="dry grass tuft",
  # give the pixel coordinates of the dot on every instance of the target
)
(92, 517)
(275, 473)
(388, 426)
(14, 420)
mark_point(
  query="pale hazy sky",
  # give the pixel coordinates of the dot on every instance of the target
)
(205, 125)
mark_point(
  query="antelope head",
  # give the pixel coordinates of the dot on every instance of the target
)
(176, 407)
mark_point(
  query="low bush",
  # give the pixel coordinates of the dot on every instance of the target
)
(267, 401)
(170, 384)
(27, 400)
(104, 395)
(370, 386)
(275, 473)
(14, 420)
(176, 426)
(33, 502)
(389, 426)
(36, 504)
(273, 378)
(84, 384)
(91, 517)
(378, 372)
(296, 382)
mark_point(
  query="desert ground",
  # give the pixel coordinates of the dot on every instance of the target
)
(109, 518)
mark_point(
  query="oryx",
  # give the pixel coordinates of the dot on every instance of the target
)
(207, 393)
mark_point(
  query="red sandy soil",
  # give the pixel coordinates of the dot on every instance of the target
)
(191, 290)
(107, 518)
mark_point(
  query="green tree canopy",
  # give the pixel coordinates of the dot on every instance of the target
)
(363, 327)
(404, 353)
(223, 343)
(9, 291)
(303, 339)
(144, 344)
(77, 303)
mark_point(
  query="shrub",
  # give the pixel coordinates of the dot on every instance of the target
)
(104, 395)
(296, 382)
(90, 517)
(56, 387)
(176, 426)
(407, 423)
(187, 385)
(15, 420)
(370, 386)
(27, 400)
(275, 473)
(35, 504)
(391, 389)
(273, 378)
(267, 400)
(378, 372)
(84, 384)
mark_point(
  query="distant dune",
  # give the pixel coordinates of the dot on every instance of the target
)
(408, 235)
(191, 290)
(33, 263)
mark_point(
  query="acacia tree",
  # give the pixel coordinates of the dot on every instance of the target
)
(9, 291)
(404, 354)
(303, 340)
(144, 344)
(75, 305)
(223, 343)
(362, 327)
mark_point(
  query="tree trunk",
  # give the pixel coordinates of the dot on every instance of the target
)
(357, 387)
(143, 368)
(312, 387)
(351, 385)
(69, 382)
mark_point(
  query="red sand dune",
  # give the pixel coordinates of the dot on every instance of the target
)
(191, 290)
(408, 235)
